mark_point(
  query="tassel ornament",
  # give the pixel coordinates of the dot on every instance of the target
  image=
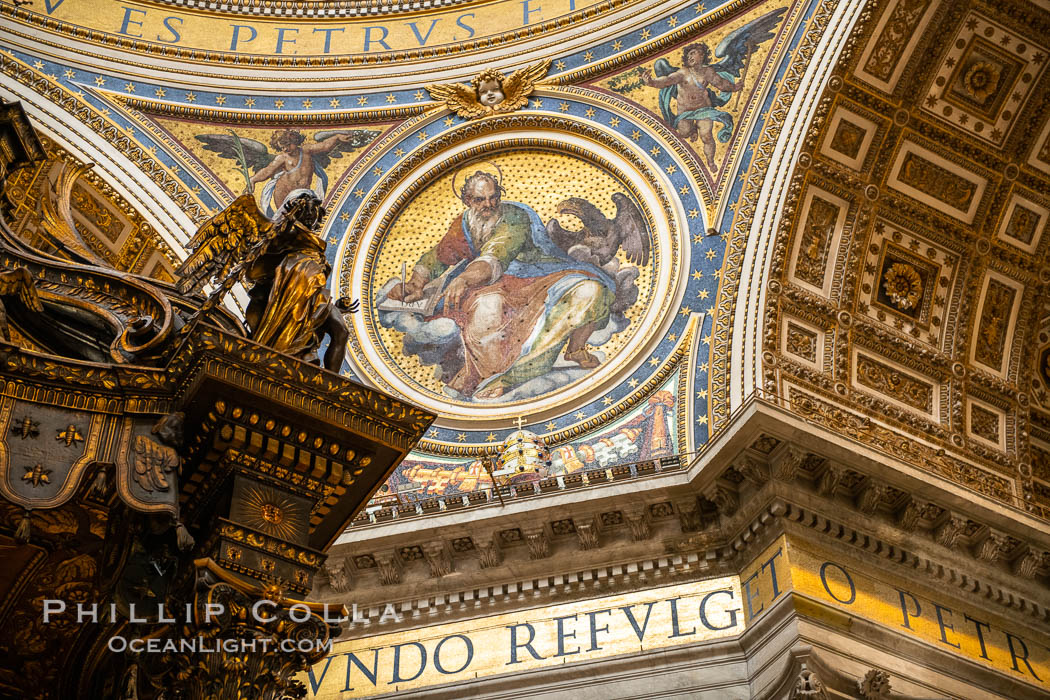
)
(22, 533)
(183, 538)
(98, 489)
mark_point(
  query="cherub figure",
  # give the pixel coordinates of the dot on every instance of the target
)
(488, 86)
(490, 92)
(692, 98)
(697, 101)
(293, 166)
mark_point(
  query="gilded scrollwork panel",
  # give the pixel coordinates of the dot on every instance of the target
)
(995, 322)
(893, 41)
(937, 182)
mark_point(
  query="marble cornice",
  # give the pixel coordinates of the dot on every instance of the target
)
(670, 531)
(705, 473)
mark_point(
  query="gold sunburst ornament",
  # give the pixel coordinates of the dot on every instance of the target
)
(270, 512)
(903, 285)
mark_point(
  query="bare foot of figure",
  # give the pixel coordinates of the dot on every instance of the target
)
(493, 392)
(583, 358)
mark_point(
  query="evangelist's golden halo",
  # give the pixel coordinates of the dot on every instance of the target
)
(459, 180)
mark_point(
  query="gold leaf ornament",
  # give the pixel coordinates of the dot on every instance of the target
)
(152, 463)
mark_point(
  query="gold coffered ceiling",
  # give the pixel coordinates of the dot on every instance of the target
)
(909, 274)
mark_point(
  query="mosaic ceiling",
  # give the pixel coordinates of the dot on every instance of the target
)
(697, 201)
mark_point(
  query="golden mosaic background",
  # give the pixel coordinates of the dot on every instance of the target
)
(540, 179)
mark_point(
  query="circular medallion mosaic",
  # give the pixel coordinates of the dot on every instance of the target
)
(512, 274)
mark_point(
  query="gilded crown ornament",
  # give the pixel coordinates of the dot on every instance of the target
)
(490, 92)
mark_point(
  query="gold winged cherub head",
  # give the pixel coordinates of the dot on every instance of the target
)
(488, 86)
(490, 92)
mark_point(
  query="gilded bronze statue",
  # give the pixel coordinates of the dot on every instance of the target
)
(283, 263)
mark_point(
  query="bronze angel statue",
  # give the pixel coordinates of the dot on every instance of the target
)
(282, 262)
(17, 283)
(490, 92)
(295, 165)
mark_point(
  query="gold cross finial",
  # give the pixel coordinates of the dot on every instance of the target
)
(520, 421)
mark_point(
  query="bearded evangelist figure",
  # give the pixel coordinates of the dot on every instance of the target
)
(502, 297)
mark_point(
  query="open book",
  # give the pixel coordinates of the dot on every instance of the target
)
(432, 294)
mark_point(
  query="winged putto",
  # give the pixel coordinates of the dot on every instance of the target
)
(490, 92)
(296, 165)
(700, 93)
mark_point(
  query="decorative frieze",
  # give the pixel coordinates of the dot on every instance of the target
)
(894, 383)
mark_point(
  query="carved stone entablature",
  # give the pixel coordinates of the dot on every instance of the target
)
(871, 494)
